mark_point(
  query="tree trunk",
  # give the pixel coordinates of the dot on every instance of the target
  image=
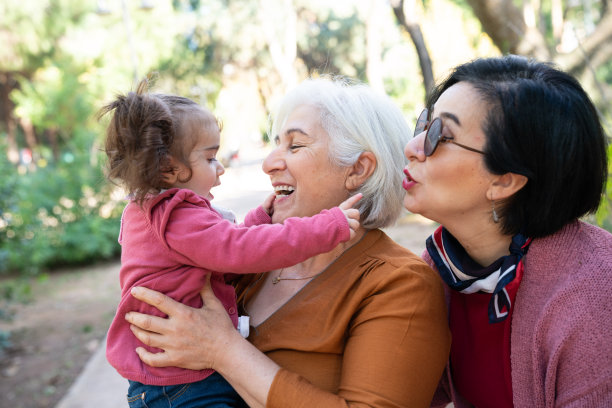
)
(7, 84)
(556, 17)
(530, 13)
(594, 47)
(503, 22)
(414, 30)
(374, 46)
(282, 45)
(28, 132)
(54, 142)
(264, 92)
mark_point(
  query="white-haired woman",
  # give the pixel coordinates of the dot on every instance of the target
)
(362, 325)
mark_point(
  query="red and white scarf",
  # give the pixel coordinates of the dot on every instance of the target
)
(464, 275)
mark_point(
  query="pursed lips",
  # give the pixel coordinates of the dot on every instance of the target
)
(408, 182)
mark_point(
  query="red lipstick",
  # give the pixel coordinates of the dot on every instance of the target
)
(408, 182)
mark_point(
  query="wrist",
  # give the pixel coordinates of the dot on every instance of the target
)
(229, 350)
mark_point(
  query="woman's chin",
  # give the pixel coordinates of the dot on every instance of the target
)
(279, 217)
(410, 204)
(282, 208)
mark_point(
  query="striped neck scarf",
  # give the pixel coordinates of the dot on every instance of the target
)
(463, 274)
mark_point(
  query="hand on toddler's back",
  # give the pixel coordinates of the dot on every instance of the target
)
(351, 214)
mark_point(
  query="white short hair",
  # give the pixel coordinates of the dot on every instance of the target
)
(358, 119)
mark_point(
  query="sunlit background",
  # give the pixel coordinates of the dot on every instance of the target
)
(62, 60)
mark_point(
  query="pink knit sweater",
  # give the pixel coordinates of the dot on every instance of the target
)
(177, 239)
(561, 337)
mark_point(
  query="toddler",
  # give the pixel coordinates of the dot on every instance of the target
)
(162, 150)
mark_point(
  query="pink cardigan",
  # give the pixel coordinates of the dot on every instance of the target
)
(177, 239)
(561, 337)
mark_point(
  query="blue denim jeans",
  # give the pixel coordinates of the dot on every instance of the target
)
(212, 392)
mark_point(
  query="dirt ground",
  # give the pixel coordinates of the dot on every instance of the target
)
(56, 332)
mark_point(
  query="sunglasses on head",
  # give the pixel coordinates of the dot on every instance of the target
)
(433, 137)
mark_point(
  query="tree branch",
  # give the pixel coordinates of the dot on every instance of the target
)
(576, 62)
(504, 23)
(414, 30)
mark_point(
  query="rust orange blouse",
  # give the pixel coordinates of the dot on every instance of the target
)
(371, 330)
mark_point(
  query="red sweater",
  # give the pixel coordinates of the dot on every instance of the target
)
(177, 238)
(560, 338)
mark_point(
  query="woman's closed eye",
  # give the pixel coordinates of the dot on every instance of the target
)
(446, 134)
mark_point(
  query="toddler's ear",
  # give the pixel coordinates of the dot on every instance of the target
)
(170, 177)
(171, 172)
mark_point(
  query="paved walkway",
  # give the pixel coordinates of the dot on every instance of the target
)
(98, 385)
(243, 187)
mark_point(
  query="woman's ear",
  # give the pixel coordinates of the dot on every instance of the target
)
(506, 185)
(361, 170)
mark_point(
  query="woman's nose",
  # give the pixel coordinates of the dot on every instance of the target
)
(273, 161)
(414, 148)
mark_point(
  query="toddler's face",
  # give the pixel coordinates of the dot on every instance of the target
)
(205, 168)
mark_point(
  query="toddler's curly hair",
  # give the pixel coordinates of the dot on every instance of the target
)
(145, 131)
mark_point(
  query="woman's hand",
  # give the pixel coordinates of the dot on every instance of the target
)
(191, 338)
(202, 338)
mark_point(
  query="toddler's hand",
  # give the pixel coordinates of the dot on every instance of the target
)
(268, 204)
(351, 214)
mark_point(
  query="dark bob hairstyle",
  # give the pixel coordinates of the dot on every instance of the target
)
(540, 124)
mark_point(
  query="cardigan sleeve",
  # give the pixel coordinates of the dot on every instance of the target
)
(201, 238)
(572, 347)
(395, 351)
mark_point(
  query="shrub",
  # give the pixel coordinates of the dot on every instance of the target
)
(58, 214)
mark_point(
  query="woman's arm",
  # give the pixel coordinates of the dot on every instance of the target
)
(394, 355)
(202, 338)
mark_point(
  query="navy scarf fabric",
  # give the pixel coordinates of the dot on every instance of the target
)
(464, 275)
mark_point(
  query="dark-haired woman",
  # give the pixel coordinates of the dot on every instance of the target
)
(507, 158)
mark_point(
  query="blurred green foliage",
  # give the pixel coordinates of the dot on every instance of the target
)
(56, 206)
(61, 60)
(59, 214)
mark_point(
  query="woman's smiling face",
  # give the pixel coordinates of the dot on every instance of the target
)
(451, 183)
(301, 172)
